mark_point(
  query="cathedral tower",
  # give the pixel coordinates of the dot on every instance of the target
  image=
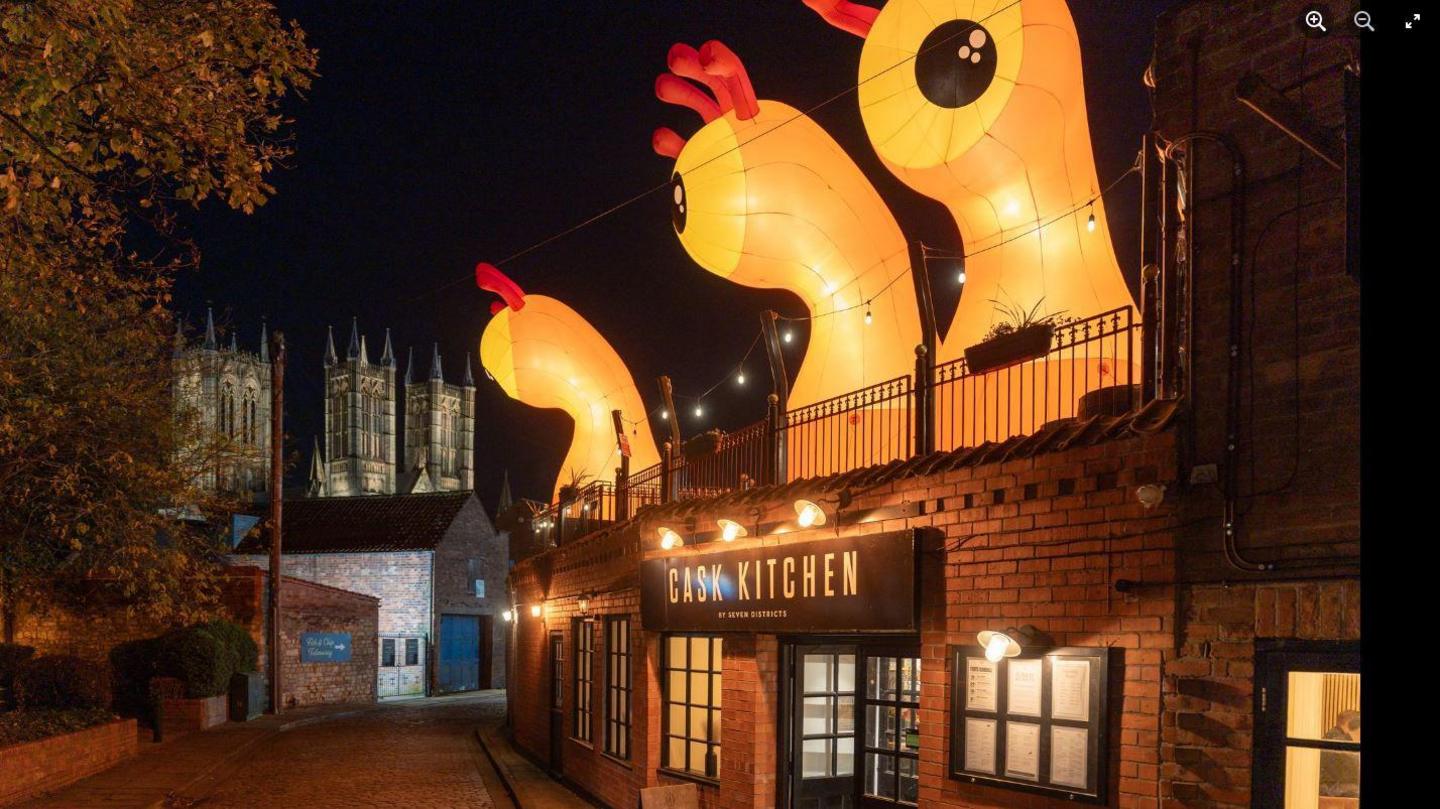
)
(224, 392)
(439, 430)
(359, 420)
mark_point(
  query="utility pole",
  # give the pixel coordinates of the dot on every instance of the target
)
(277, 500)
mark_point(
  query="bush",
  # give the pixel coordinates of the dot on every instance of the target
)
(62, 681)
(132, 664)
(196, 658)
(18, 727)
(243, 654)
(12, 656)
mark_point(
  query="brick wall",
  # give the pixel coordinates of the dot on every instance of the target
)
(49, 764)
(400, 579)
(91, 634)
(1209, 687)
(1038, 541)
(309, 607)
(1297, 458)
(472, 549)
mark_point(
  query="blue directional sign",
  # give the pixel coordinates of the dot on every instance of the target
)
(324, 647)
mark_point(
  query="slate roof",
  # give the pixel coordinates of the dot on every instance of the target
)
(1055, 436)
(402, 522)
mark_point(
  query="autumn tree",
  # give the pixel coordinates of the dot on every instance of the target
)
(113, 114)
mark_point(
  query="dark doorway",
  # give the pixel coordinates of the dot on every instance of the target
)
(459, 653)
(850, 735)
(557, 699)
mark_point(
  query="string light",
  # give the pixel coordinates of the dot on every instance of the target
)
(1090, 223)
(786, 337)
(868, 317)
(740, 378)
(699, 411)
(960, 277)
(664, 415)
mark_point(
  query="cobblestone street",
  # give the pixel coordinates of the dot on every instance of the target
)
(422, 753)
(419, 754)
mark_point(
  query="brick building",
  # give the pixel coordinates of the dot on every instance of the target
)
(435, 563)
(1182, 579)
(307, 608)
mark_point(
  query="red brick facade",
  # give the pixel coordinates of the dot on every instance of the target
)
(310, 607)
(1046, 539)
(1041, 542)
(48, 764)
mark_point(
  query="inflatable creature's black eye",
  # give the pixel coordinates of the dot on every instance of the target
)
(956, 63)
(678, 202)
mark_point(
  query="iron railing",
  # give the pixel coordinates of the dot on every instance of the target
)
(1092, 367)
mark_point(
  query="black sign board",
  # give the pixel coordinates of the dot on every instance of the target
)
(845, 584)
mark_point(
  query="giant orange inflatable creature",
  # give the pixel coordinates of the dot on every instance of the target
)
(981, 106)
(545, 354)
(763, 196)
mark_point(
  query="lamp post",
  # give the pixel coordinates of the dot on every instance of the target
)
(277, 500)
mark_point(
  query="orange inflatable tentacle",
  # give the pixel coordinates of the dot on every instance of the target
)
(674, 90)
(849, 17)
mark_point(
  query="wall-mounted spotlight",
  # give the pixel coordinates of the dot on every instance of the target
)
(808, 514)
(1008, 643)
(508, 615)
(729, 530)
(535, 610)
(669, 539)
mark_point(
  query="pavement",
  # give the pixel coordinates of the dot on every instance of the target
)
(419, 753)
(529, 785)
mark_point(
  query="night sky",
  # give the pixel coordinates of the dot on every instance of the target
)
(439, 134)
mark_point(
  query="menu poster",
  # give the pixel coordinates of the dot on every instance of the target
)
(980, 745)
(1070, 689)
(1024, 687)
(981, 684)
(1022, 750)
(1069, 748)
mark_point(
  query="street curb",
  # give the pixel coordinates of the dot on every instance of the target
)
(499, 771)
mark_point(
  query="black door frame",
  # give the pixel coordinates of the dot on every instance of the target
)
(786, 724)
(556, 700)
(1274, 660)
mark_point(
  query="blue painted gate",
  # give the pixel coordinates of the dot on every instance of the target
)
(459, 652)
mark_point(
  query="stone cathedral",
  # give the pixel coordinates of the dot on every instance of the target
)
(226, 391)
(359, 455)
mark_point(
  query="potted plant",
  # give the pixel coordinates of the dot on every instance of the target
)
(571, 490)
(1018, 336)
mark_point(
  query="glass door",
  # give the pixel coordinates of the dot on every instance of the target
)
(891, 720)
(1307, 728)
(824, 729)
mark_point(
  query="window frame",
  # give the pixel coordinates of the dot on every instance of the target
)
(1274, 661)
(715, 714)
(582, 681)
(619, 689)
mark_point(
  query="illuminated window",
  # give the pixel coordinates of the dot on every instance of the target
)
(617, 687)
(1307, 730)
(584, 677)
(692, 684)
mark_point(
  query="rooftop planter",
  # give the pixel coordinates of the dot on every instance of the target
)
(1020, 335)
(1011, 348)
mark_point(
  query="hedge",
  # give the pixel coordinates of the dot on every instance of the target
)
(62, 681)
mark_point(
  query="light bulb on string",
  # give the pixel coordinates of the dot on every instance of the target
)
(960, 276)
(786, 336)
(740, 377)
(868, 317)
(699, 411)
(664, 415)
(1090, 223)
